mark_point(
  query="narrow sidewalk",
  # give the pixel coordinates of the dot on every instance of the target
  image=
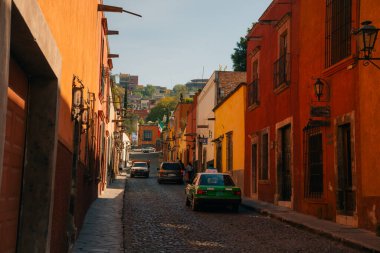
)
(354, 237)
(102, 230)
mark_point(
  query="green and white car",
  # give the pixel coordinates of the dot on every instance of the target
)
(213, 189)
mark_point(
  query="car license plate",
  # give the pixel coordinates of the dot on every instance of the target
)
(171, 175)
(219, 194)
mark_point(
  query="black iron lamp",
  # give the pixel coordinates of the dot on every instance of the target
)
(318, 88)
(367, 38)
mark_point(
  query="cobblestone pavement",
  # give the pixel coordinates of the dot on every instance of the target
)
(157, 220)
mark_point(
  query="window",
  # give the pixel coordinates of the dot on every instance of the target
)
(282, 65)
(338, 30)
(229, 150)
(264, 157)
(314, 163)
(253, 96)
(147, 135)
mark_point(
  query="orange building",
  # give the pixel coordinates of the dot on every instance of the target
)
(271, 112)
(54, 90)
(180, 119)
(311, 113)
(342, 184)
(149, 135)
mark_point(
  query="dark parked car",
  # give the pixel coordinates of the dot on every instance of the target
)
(170, 172)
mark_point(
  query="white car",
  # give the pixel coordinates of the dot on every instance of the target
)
(140, 169)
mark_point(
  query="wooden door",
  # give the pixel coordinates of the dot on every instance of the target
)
(10, 192)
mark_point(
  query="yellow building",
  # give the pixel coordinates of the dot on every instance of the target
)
(229, 135)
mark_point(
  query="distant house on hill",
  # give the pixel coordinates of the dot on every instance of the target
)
(196, 84)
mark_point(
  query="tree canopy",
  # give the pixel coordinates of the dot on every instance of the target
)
(163, 107)
(239, 57)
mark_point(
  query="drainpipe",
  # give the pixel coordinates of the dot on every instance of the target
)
(5, 39)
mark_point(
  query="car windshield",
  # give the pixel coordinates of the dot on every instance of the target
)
(216, 179)
(171, 166)
(139, 165)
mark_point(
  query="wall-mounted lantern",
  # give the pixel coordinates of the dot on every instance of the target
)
(367, 38)
(318, 89)
(367, 35)
(77, 99)
(321, 90)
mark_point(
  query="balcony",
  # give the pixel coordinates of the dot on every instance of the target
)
(253, 93)
(281, 74)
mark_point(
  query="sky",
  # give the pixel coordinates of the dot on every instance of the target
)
(178, 40)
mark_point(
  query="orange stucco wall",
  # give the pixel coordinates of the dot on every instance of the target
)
(76, 27)
(230, 117)
(369, 122)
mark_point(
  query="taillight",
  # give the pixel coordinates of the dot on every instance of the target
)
(161, 174)
(238, 193)
(201, 192)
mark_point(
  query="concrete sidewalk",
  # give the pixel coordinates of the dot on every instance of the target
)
(354, 237)
(102, 230)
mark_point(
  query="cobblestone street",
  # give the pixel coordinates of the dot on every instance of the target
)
(157, 220)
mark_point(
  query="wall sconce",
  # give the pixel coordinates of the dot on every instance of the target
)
(321, 89)
(85, 119)
(77, 99)
(318, 89)
(367, 35)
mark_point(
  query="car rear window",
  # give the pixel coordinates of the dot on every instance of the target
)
(171, 166)
(139, 165)
(217, 180)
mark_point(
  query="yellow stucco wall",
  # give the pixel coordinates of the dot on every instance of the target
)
(76, 27)
(369, 114)
(230, 116)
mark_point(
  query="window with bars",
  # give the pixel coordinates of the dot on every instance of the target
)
(338, 30)
(282, 65)
(147, 135)
(313, 155)
(229, 150)
(253, 95)
(264, 175)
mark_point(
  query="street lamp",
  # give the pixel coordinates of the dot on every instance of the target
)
(367, 38)
(318, 88)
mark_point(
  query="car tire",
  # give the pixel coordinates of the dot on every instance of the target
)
(235, 208)
(158, 181)
(187, 202)
(132, 175)
(194, 205)
(147, 175)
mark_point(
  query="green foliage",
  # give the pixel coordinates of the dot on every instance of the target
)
(239, 57)
(163, 107)
(179, 89)
(149, 91)
(130, 123)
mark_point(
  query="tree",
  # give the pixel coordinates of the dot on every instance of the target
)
(163, 107)
(149, 90)
(239, 57)
(178, 89)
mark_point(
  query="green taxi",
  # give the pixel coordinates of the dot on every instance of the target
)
(212, 188)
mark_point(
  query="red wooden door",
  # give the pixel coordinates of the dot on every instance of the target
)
(10, 192)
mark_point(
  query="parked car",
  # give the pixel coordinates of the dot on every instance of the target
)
(170, 172)
(152, 149)
(140, 169)
(213, 189)
(145, 150)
